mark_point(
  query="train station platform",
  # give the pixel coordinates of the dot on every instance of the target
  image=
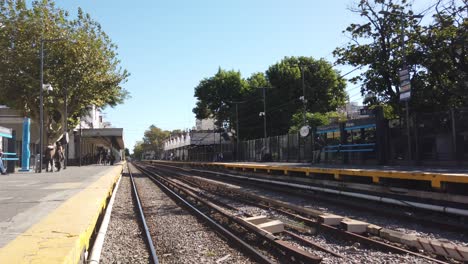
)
(49, 217)
(433, 177)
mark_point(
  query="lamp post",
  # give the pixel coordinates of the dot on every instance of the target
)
(66, 128)
(264, 110)
(237, 126)
(303, 98)
(41, 102)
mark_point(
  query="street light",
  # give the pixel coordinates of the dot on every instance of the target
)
(303, 97)
(264, 113)
(237, 125)
(41, 106)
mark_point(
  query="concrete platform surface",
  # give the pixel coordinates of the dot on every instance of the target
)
(417, 169)
(435, 176)
(36, 208)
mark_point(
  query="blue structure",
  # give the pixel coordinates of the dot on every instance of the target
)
(26, 152)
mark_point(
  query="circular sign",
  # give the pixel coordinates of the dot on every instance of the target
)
(304, 131)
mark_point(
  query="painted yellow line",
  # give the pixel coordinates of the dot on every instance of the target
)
(64, 234)
(434, 178)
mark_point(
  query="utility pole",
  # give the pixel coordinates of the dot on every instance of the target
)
(404, 67)
(237, 125)
(303, 97)
(264, 113)
(304, 100)
(41, 109)
(66, 129)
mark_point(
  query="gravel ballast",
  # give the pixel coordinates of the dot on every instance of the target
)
(124, 242)
(352, 251)
(180, 237)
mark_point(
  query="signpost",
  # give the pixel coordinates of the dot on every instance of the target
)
(405, 96)
(405, 85)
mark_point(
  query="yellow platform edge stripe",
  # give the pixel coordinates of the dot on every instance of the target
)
(65, 233)
(433, 177)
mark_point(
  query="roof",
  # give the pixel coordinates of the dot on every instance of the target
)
(108, 136)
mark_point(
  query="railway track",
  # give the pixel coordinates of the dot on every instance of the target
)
(308, 217)
(148, 239)
(263, 246)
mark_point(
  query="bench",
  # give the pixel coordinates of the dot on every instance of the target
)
(367, 147)
(10, 156)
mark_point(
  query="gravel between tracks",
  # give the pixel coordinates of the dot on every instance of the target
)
(353, 252)
(408, 227)
(178, 236)
(124, 242)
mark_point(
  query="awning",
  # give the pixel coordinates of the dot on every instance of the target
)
(106, 136)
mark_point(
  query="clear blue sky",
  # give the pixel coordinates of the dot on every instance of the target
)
(169, 46)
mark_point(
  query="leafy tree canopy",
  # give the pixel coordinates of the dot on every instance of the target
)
(217, 96)
(80, 63)
(323, 88)
(315, 120)
(435, 53)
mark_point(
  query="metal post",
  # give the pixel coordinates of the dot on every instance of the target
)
(408, 131)
(66, 129)
(81, 144)
(403, 50)
(237, 131)
(304, 102)
(454, 133)
(264, 114)
(41, 108)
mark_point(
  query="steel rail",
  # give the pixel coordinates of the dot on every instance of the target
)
(295, 252)
(300, 239)
(149, 240)
(323, 227)
(233, 238)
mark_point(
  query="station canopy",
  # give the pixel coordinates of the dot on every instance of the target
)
(105, 136)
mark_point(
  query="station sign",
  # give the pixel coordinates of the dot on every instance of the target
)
(405, 85)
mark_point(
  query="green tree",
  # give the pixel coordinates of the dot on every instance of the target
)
(324, 89)
(250, 120)
(435, 54)
(441, 79)
(216, 94)
(138, 150)
(82, 65)
(315, 120)
(154, 138)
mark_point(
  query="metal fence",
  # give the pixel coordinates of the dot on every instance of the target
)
(439, 138)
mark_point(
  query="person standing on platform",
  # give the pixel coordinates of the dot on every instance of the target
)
(2, 168)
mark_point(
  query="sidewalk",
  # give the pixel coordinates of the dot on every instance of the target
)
(40, 209)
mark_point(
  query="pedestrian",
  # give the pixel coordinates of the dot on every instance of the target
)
(2, 168)
(319, 145)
